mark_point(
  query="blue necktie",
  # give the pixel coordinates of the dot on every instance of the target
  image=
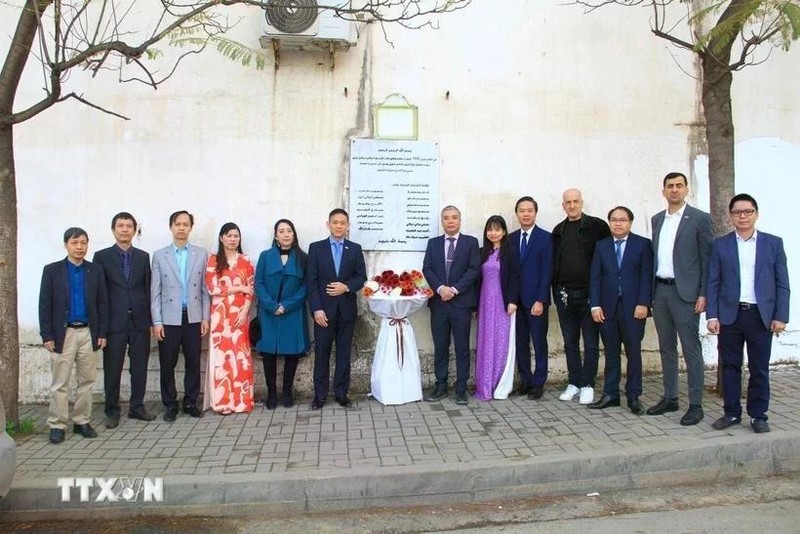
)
(618, 250)
(523, 245)
(337, 256)
(126, 265)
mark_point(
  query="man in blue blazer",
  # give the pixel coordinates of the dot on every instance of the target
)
(127, 272)
(620, 293)
(451, 267)
(73, 321)
(535, 247)
(181, 308)
(335, 273)
(748, 303)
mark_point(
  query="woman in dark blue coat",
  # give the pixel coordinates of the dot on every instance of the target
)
(282, 309)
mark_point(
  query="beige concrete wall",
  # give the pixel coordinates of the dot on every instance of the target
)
(541, 98)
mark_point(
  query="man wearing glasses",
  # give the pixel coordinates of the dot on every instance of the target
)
(748, 302)
(682, 238)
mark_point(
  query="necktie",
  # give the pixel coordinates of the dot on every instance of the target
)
(523, 245)
(337, 256)
(448, 261)
(126, 265)
(618, 250)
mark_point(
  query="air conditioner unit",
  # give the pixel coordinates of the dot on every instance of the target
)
(301, 23)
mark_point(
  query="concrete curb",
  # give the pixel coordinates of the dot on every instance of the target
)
(667, 464)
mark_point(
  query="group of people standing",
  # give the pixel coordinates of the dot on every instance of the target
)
(605, 282)
(117, 302)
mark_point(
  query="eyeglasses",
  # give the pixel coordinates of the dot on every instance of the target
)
(739, 213)
(619, 220)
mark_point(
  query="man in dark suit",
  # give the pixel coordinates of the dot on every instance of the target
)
(682, 238)
(535, 247)
(748, 303)
(73, 321)
(335, 273)
(620, 293)
(180, 306)
(451, 267)
(127, 273)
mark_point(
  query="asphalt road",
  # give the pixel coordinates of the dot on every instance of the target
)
(765, 505)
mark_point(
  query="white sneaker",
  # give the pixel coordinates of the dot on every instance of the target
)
(587, 395)
(569, 393)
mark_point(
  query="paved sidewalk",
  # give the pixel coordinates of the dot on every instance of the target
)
(418, 449)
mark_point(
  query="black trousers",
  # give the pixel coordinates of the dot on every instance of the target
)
(340, 332)
(186, 337)
(137, 343)
(446, 321)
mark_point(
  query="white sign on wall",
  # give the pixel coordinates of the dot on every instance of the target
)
(394, 194)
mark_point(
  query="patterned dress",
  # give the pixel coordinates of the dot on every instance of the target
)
(229, 377)
(493, 330)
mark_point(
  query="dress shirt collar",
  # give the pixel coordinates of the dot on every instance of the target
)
(332, 240)
(678, 214)
(752, 239)
(177, 249)
(456, 236)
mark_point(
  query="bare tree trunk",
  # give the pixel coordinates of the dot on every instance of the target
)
(9, 334)
(717, 80)
(18, 53)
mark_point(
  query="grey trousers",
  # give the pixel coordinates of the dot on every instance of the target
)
(675, 318)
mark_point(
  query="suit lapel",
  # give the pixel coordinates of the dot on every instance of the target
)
(169, 255)
(659, 222)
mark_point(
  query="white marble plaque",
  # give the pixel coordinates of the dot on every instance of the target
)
(394, 194)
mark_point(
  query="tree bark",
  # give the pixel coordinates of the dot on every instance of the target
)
(9, 333)
(13, 66)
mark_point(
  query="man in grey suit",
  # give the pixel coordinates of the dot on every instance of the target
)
(682, 238)
(180, 306)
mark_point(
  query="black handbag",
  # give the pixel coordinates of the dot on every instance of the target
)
(255, 331)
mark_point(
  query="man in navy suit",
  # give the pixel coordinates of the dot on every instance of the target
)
(748, 303)
(335, 273)
(73, 321)
(620, 292)
(535, 247)
(127, 272)
(451, 266)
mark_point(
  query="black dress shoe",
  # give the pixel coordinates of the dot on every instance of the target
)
(170, 413)
(663, 406)
(287, 400)
(272, 403)
(85, 430)
(56, 435)
(635, 406)
(725, 421)
(520, 391)
(141, 414)
(317, 404)
(535, 392)
(192, 411)
(759, 426)
(606, 401)
(437, 394)
(112, 421)
(693, 415)
(461, 398)
(344, 402)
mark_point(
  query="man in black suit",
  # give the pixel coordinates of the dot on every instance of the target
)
(335, 273)
(73, 320)
(127, 273)
(451, 266)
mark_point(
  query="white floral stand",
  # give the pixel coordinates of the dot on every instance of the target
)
(396, 375)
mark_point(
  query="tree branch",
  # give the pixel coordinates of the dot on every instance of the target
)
(95, 106)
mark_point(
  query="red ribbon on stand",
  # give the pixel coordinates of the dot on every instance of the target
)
(399, 322)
